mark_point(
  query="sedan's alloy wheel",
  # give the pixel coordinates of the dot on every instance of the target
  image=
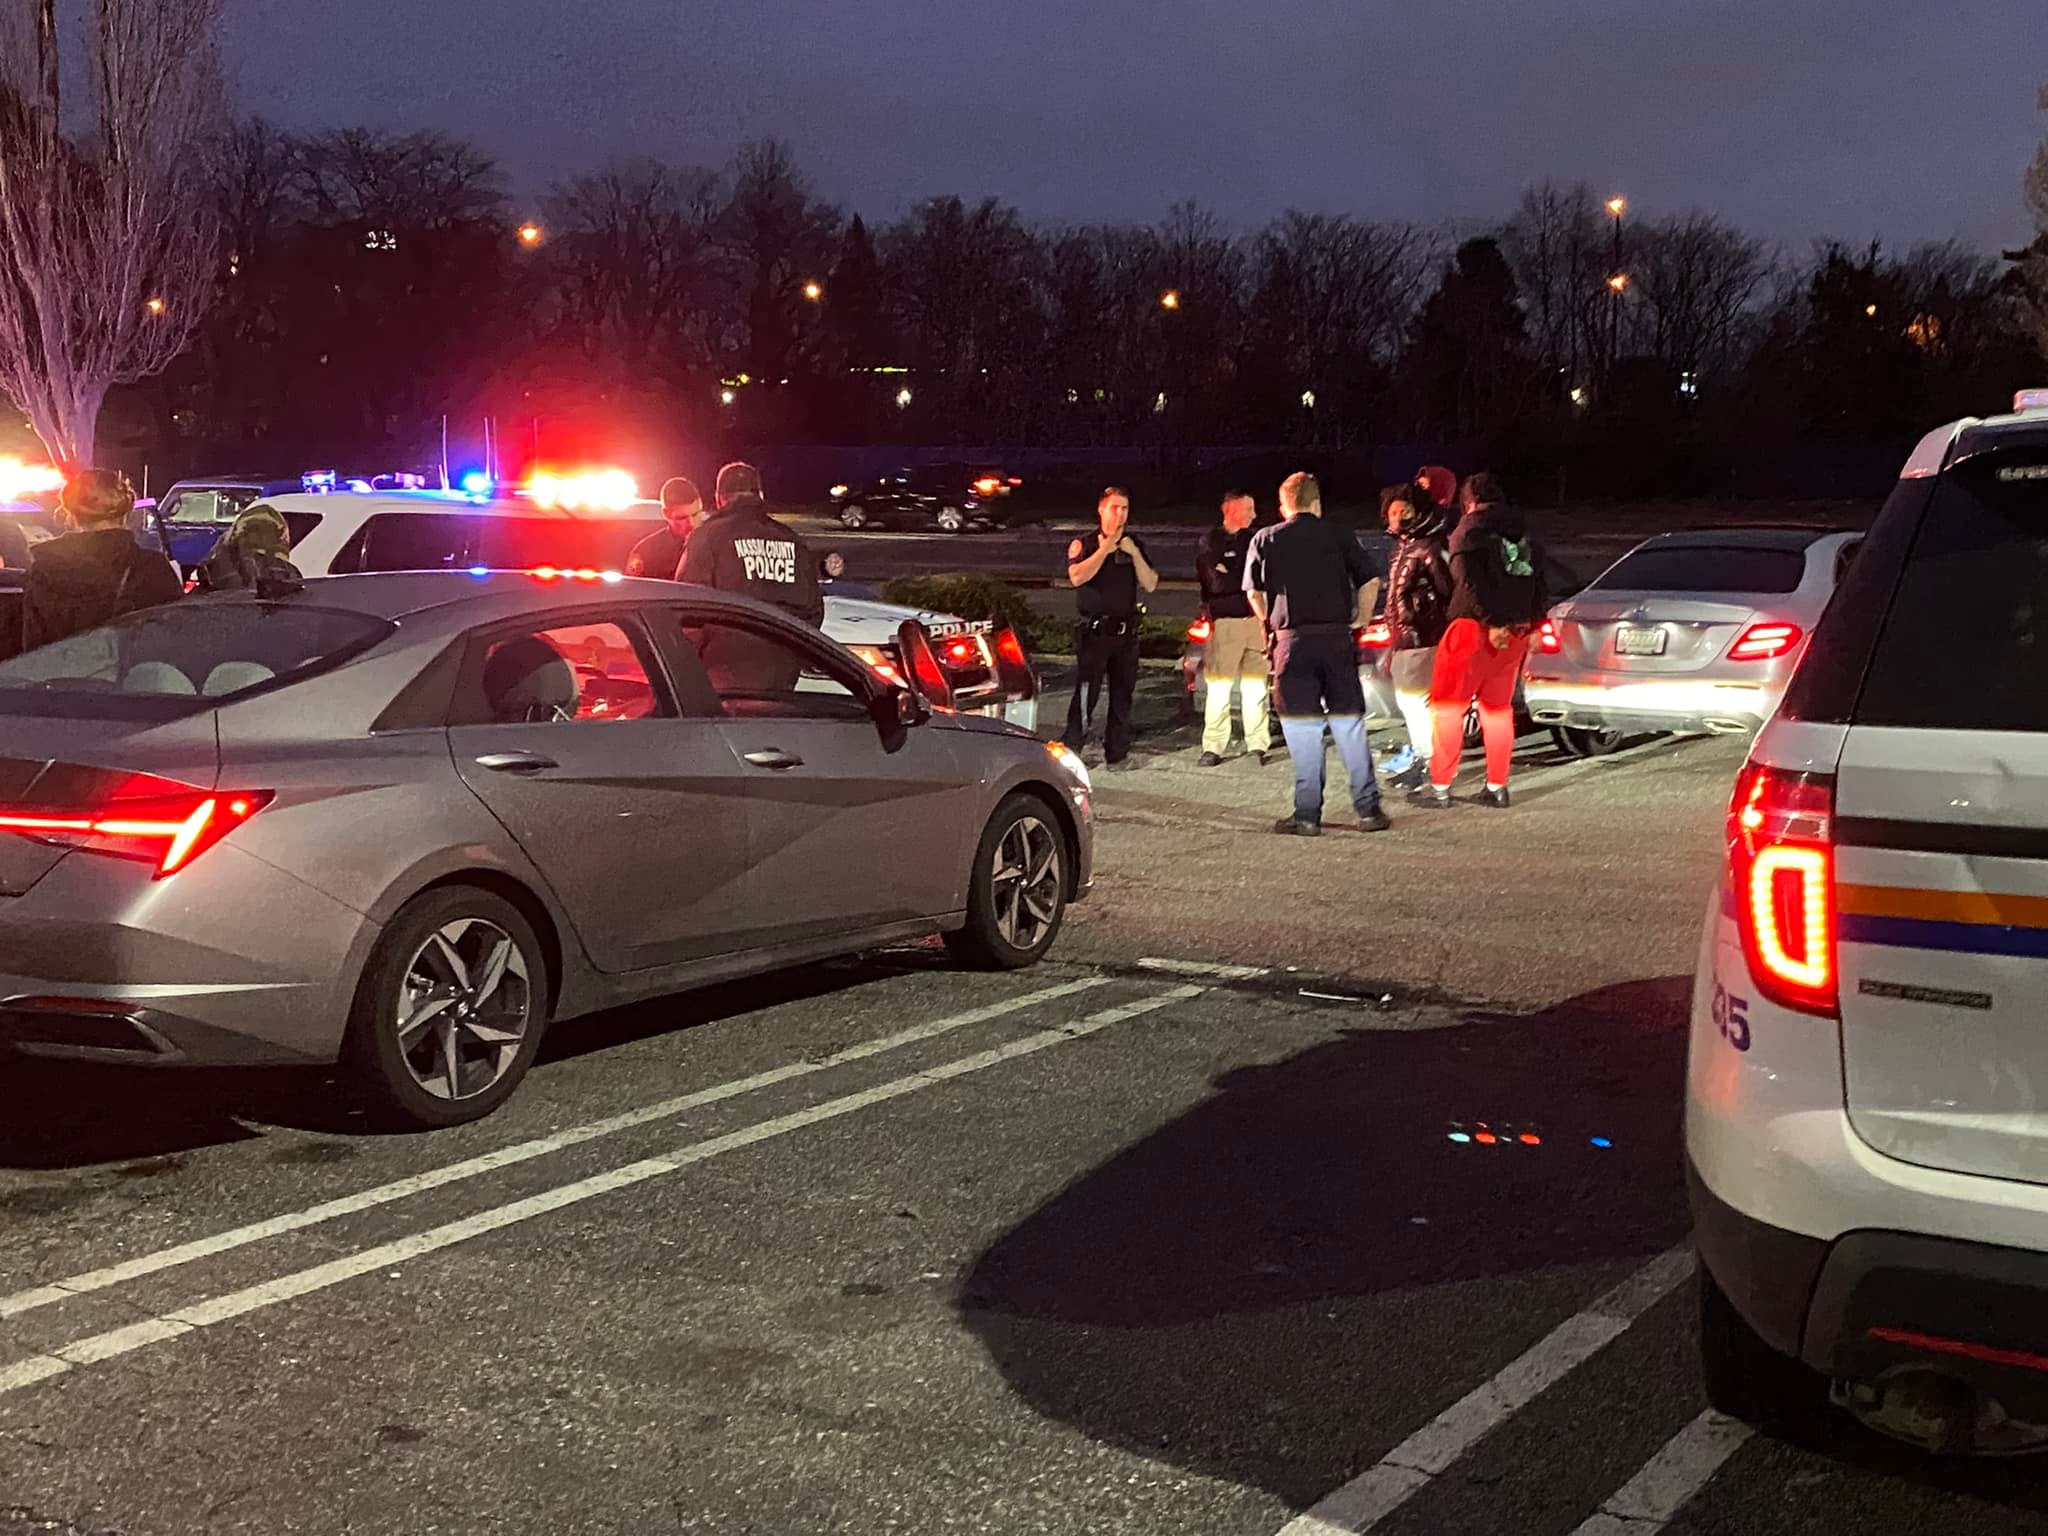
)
(464, 1007)
(1027, 878)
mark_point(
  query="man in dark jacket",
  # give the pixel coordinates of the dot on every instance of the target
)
(1236, 649)
(741, 549)
(96, 573)
(1497, 601)
(1305, 580)
(660, 555)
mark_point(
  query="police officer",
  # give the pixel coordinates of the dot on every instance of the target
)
(1304, 578)
(1108, 572)
(740, 548)
(660, 555)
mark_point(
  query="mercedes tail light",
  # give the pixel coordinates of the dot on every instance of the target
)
(1376, 636)
(1199, 631)
(1764, 642)
(1548, 641)
(1781, 871)
(136, 816)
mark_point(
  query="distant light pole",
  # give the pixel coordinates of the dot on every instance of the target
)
(1170, 299)
(814, 291)
(531, 235)
(1618, 284)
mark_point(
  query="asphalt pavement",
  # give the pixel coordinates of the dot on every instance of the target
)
(1311, 1187)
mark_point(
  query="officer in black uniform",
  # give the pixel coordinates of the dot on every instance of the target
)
(1109, 572)
(660, 555)
(741, 549)
(1303, 579)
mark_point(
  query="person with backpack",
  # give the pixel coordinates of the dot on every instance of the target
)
(97, 572)
(1417, 613)
(1497, 602)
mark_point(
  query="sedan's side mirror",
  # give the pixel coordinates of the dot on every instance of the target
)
(896, 712)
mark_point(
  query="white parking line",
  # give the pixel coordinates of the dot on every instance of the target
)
(507, 1157)
(1425, 1455)
(1647, 1501)
(219, 1309)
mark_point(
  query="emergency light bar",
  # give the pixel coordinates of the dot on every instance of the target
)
(2028, 400)
(610, 490)
(18, 479)
(319, 480)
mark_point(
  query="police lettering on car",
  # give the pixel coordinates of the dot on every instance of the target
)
(741, 549)
(660, 555)
(1304, 579)
(1109, 572)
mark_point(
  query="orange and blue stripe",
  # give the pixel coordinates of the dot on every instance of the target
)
(1971, 922)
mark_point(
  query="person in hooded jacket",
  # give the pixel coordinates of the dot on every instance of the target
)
(1498, 600)
(255, 552)
(97, 572)
(1417, 613)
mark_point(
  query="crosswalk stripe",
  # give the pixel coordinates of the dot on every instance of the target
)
(1646, 1502)
(1412, 1465)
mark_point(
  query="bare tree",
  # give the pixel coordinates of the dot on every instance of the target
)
(2033, 263)
(107, 238)
(1554, 243)
(632, 252)
(1702, 283)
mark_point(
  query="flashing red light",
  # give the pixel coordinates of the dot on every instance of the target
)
(962, 651)
(1781, 868)
(1199, 631)
(1548, 641)
(563, 573)
(1764, 642)
(167, 823)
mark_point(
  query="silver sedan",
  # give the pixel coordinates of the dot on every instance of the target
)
(407, 821)
(1686, 632)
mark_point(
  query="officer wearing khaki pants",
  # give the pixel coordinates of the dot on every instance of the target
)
(1236, 653)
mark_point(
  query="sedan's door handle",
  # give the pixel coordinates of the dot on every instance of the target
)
(515, 762)
(774, 757)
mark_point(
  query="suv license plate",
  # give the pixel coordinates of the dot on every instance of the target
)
(1639, 642)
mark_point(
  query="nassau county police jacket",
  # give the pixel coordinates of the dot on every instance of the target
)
(742, 549)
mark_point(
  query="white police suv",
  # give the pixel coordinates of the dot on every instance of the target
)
(1867, 1092)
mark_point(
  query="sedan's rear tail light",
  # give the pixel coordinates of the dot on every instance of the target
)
(1376, 636)
(1548, 641)
(1764, 642)
(1199, 631)
(1781, 861)
(166, 823)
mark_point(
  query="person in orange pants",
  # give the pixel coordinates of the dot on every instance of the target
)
(1497, 601)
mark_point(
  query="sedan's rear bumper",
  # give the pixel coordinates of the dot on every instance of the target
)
(229, 961)
(1646, 705)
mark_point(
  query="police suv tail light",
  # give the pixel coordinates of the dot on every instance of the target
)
(1764, 642)
(1781, 873)
(1199, 631)
(1013, 666)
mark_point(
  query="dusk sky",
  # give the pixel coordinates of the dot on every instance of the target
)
(1899, 119)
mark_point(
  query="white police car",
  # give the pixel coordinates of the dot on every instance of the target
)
(591, 523)
(1867, 1093)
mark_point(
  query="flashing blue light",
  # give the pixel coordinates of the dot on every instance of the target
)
(1601, 1141)
(318, 480)
(479, 570)
(1460, 1136)
(477, 483)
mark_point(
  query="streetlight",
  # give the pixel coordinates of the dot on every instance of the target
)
(530, 234)
(1618, 282)
(155, 306)
(1170, 299)
(814, 290)
(726, 397)
(903, 399)
(1870, 310)
(1617, 206)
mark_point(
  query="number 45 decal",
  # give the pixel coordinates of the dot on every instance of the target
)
(1731, 1017)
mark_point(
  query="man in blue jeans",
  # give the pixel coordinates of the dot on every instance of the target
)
(1303, 578)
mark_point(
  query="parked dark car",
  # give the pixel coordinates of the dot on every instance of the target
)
(948, 497)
